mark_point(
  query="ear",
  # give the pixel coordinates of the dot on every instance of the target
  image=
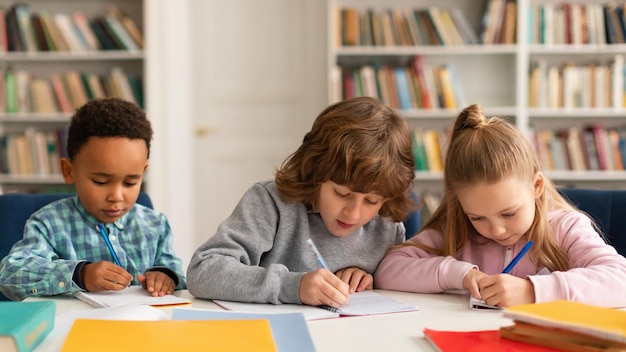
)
(145, 167)
(66, 169)
(538, 184)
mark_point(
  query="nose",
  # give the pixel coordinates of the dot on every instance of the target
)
(497, 229)
(352, 210)
(116, 194)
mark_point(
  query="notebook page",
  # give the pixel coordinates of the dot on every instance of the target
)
(310, 312)
(370, 303)
(133, 295)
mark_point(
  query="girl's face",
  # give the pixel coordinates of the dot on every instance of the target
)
(502, 211)
(344, 211)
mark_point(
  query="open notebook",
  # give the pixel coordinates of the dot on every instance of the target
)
(132, 295)
(361, 303)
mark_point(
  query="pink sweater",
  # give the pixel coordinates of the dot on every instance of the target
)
(597, 273)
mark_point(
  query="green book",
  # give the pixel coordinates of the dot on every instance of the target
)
(25, 324)
(10, 91)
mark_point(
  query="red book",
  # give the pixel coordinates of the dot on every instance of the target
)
(475, 341)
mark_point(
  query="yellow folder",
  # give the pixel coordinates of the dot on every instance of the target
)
(169, 335)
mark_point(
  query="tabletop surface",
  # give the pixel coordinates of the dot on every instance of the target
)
(395, 332)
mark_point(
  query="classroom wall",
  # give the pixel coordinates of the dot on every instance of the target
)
(238, 83)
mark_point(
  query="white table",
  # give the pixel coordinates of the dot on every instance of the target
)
(390, 332)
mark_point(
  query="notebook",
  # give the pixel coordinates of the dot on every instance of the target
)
(361, 303)
(290, 330)
(479, 304)
(132, 295)
(605, 323)
(169, 335)
(483, 341)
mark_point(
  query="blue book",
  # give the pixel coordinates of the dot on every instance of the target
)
(25, 324)
(402, 85)
(289, 329)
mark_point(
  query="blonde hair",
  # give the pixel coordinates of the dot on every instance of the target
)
(359, 143)
(490, 150)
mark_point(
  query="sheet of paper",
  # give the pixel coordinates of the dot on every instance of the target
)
(289, 329)
(132, 295)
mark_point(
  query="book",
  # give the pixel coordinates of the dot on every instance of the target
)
(131, 295)
(25, 324)
(586, 318)
(561, 339)
(361, 303)
(483, 340)
(290, 330)
(169, 335)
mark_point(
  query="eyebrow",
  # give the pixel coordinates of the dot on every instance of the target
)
(104, 174)
(507, 210)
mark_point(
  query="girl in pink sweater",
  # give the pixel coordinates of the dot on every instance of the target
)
(496, 200)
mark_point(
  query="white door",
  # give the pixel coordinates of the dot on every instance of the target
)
(258, 78)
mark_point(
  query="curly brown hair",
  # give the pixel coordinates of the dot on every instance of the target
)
(110, 117)
(359, 143)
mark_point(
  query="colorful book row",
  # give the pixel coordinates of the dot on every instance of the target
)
(428, 149)
(24, 30)
(576, 23)
(32, 152)
(64, 92)
(403, 27)
(589, 148)
(415, 86)
(592, 85)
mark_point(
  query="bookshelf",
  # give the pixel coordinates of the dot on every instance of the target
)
(107, 70)
(497, 76)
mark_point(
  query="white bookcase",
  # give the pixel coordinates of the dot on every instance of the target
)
(495, 76)
(42, 64)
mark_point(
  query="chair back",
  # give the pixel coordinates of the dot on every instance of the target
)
(16, 208)
(608, 210)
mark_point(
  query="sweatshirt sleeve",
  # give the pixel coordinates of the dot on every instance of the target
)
(597, 273)
(409, 268)
(227, 265)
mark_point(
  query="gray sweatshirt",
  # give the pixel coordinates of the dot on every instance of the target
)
(259, 253)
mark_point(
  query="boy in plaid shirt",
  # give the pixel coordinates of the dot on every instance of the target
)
(99, 239)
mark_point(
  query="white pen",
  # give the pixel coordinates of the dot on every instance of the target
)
(317, 254)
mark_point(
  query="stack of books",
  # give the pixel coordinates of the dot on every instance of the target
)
(568, 326)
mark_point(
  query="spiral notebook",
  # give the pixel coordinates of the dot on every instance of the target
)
(361, 303)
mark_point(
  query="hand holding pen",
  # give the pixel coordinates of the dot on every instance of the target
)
(507, 290)
(322, 287)
(105, 275)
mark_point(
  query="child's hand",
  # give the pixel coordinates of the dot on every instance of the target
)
(103, 276)
(157, 283)
(357, 278)
(505, 290)
(323, 287)
(470, 282)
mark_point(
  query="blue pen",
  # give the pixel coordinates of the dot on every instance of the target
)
(317, 254)
(517, 257)
(106, 239)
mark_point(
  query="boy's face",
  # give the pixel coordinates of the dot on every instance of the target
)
(344, 211)
(107, 173)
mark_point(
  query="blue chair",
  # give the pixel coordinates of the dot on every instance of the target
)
(414, 222)
(608, 210)
(16, 208)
